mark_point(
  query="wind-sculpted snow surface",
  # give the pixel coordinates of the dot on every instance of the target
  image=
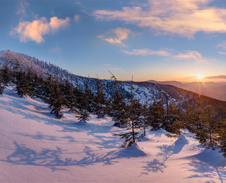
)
(36, 147)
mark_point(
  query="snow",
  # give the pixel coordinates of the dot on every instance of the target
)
(36, 147)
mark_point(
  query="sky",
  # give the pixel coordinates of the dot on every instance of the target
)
(183, 40)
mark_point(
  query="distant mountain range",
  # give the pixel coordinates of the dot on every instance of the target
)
(211, 89)
(143, 91)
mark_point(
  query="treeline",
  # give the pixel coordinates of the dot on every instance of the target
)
(208, 126)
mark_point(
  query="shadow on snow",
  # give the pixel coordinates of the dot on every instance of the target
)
(52, 158)
(166, 152)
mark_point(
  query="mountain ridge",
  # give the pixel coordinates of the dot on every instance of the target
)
(143, 91)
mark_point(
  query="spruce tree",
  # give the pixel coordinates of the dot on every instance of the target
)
(39, 87)
(100, 101)
(118, 110)
(172, 122)
(69, 97)
(156, 115)
(56, 99)
(221, 131)
(21, 83)
(48, 88)
(30, 83)
(6, 75)
(188, 115)
(2, 87)
(84, 104)
(133, 122)
(207, 134)
(193, 117)
(145, 119)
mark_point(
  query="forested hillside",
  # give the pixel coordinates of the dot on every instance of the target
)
(130, 104)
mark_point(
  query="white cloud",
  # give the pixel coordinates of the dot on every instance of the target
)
(35, 30)
(222, 53)
(222, 45)
(146, 52)
(56, 50)
(187, 55)
(190, 55)
(120, 35)
(183, 17)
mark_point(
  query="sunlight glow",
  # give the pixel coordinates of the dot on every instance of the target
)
(199, 77)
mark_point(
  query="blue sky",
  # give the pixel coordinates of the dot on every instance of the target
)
(149, 39)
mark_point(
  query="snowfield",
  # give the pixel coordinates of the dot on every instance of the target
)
(36, 147)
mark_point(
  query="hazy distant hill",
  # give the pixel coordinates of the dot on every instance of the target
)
(212, 89)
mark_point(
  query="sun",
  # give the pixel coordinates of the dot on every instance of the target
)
(199, 77)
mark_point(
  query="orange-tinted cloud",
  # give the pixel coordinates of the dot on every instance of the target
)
(183, 17)
(120, 35)
(76, 18)
(217, 77)
(21, 7)
(35, 30)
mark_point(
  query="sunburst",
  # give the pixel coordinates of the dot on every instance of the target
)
(199, 77)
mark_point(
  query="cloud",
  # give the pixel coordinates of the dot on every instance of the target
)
(35, 30)
(222, 45)
(76, 18)
(120, 35)
(222, 53)
(217, 77)
(182, 17)
(190, 55)
(21, 7)
(56, 50)
(146, 52)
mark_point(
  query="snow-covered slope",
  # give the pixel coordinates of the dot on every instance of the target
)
(36, 147)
